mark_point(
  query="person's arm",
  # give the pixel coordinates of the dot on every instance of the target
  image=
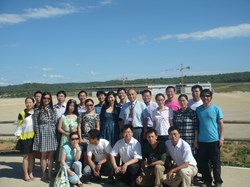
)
(59, 128)
(63, 163)
(176, 169)
(130, 162)
(98, 125)
(113, 162)
(93, 166)
(80, 133)
(221, 124)
(78, 153)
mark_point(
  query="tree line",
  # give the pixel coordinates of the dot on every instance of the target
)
(28, 89)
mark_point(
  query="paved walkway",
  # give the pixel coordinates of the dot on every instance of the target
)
(11, 175)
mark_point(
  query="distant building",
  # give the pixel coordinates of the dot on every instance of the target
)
(185, 88)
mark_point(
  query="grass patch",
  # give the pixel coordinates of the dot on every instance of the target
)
(236, 153)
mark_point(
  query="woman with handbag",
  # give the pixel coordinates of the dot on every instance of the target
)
(25, 135)
(71, 153)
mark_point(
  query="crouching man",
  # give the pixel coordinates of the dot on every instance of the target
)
(154, 156)
(100, 149)
(181, 153)
(129, 150)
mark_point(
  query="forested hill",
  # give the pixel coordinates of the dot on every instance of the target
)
(27, 89)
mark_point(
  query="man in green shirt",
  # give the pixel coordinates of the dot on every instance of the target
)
(154, 157)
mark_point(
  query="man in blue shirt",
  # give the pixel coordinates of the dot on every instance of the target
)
(210, 139)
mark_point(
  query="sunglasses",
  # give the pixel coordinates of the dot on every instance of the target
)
(46, 98)
(74, 139)
(90, 105)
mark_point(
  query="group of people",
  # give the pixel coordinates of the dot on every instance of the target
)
(141, 142)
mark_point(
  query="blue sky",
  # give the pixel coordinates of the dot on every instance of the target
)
(62, 41)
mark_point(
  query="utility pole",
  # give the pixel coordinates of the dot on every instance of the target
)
(181, 69)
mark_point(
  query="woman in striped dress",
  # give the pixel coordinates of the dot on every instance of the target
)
(45, 133)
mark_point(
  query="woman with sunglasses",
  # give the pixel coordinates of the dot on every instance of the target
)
(45, 133)
(87, 121)
(67, 123)
(71, 153)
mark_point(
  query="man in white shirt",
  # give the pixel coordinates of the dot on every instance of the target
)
(196, 100)
(129, 150)
(134, 113)
(61, 105)
(151, 106)
(180, 152)
(99, 164)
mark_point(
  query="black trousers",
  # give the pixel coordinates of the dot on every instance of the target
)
(209, 153)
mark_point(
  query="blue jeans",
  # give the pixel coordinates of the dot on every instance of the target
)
(209, 153)
(77, 167)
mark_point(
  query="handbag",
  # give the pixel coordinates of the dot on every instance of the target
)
(61, 179)
(18, 145)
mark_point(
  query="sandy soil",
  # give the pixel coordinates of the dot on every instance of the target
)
(235, 106)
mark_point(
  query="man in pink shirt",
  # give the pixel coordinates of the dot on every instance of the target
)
(171, 102)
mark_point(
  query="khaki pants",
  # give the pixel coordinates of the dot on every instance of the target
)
(185, 176)
(152, 176)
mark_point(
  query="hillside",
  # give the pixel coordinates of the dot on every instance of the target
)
(228, 82)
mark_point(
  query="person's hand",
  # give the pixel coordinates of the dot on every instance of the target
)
(96, 174)
(124, 168)
(98, 167)
(71, 173)
(117, 170)
(170, 175)
(221, 142)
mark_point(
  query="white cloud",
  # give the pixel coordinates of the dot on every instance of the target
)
(44, 75)
(37, 13)
(141, 40)
(242, 30)
(106, 2)
(55, 76)
(93, 73)
(46, 69)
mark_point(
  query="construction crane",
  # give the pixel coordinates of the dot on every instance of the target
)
(124, 79)
(181, 69)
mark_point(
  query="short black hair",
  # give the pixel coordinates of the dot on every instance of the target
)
(33, 100)
(183, 95)
(206, 91)
(127, 127)
(146, 91)
(98, 93)
(196, 86)
(73, 133)
(159, 94)
(151, 130)
(82, 91)
(170, 87)
(94, 134)
(61, 92)
(38, 91)
(172, 128)
(121, 89)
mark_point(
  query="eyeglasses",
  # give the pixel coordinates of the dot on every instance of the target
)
(90, 105)
(74, 139)
(206, 96)
(46, 98)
